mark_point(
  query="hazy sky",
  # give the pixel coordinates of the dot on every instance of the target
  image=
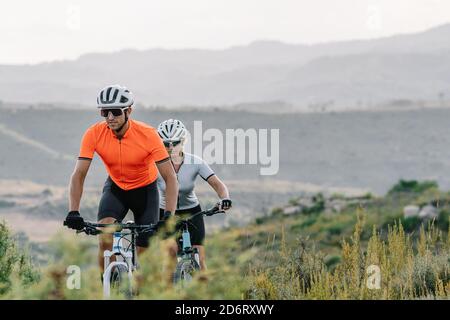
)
(44, 30)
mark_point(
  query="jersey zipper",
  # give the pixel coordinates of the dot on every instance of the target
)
(120, 158)
(178, 196)
(176, 173)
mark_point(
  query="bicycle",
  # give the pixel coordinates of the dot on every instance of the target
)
(188, 261)
(118, 275)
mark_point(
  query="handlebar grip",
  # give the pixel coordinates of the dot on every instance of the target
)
(213, 211)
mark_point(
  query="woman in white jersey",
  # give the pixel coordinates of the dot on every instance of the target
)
(188, 167)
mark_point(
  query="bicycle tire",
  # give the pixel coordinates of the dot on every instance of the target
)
(185, 271)
(120, 283)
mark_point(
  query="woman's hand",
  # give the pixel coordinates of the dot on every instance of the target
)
(225, 204)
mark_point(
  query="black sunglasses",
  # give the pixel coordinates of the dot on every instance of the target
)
(115, 112)
(173, 143)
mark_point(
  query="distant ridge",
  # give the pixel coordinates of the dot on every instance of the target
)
(339, 74)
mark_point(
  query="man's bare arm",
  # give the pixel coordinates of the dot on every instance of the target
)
(77, 182)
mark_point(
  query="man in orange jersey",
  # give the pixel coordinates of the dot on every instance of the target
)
(132, 153)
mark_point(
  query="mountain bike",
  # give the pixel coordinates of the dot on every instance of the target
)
(118, 274)
(188, 261)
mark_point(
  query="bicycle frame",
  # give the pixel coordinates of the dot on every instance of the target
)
(188, 258)
(186, 248)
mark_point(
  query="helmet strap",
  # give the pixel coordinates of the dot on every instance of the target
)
(126, 120)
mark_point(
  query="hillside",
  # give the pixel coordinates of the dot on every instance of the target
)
(323, 253)
(313, 253)
(359, 150)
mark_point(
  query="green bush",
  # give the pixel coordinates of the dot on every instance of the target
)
(412, 186)
(443, 220)
(309, 221)
(332, 261)
(411, 224)
(319, 205)
(336, 229)
(14, 264)
(260, 220)
(277, 212)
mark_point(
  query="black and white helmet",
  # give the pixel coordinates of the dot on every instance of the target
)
(114, 96)
(172, 130)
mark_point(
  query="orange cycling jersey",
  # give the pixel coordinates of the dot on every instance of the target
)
(131, 160)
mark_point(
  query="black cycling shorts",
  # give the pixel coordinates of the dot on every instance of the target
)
(196, 226)
(143, 202)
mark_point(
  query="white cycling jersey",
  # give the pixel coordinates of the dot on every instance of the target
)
(191, 167)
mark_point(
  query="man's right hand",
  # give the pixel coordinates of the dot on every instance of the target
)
(74, 220)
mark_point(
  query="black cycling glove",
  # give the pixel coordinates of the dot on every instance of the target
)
(74, 220)
(225, 204)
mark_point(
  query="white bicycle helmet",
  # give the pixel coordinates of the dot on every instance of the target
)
(172, 130)
(114, 96)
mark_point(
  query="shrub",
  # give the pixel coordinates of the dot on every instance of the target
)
(277, 212)
(412, 186)
(14, 264)
(411, 224)
(406, 272)
(319, 204)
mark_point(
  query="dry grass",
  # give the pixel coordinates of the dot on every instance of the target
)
(408, 269)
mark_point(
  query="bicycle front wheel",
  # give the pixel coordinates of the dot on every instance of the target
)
(120, 282)
(185, 270)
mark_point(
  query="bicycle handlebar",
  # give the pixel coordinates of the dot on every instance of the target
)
(91, 228)
(210, 212)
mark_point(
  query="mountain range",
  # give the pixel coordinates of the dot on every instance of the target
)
(345, 74)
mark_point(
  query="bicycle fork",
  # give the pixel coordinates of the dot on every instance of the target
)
(122, 258)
